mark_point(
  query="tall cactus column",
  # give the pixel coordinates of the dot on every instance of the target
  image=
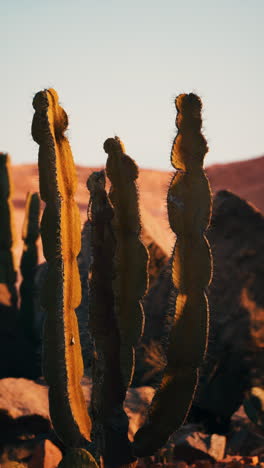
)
(131, 256)
(189, 210)
(8, 274)
(29, 262)
(60, 231)
(110, 422)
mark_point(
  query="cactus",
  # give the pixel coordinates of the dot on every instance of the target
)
(78, 458)
(131, 256)
(189, 210)
(8, 273)
(110, 422)
(29, 262)
(118, 283)
(17, 324)
(60, 231)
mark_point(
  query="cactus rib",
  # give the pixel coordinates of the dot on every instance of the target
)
(189, 210)
(78, 458)
(131, 256)
(110, 422)
(60, 231)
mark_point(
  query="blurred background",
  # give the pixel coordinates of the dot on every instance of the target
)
(118, 66)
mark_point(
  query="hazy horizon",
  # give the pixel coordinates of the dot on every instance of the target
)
(118, 67)
(91, 166)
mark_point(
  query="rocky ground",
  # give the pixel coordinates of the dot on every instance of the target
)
(27, 435)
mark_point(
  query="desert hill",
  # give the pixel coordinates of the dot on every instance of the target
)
(244, 178)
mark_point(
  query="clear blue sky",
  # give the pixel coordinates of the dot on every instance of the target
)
(117, 66)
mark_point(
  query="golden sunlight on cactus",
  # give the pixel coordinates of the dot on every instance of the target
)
(118, 282)
(60, 230)
(78, 458)
(189, 210)
(131, 256)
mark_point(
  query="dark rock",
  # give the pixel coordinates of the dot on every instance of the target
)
(190, 446)
(32, 453)
(235, 354)
(243, 438)
(24, 408)
(233, 362)
(45, 455)
(19, 357)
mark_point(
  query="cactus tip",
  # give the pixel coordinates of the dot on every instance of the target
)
(95, 179)
(40, 101)
(53, 94)
(188, 103)
(114, 144)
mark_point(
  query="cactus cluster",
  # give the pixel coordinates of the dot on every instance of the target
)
(17, 313)
(117, 285)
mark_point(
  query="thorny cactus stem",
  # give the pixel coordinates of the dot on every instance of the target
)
(8, 273)
(78, 458)
(60, 231)
(29, 262)
(110, 422)
(131, 256)
(189, 210)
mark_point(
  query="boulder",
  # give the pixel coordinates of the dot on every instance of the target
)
(31, 454)
(24, 407)
(244, 439)
(45, 455)
(24, 416)
(235, 354)
(199, 446)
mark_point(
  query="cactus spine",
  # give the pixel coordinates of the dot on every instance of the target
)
(60, 231)
(189, 210)
(8, 274)
(109, 391)
(131, 256)
(29, 262)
